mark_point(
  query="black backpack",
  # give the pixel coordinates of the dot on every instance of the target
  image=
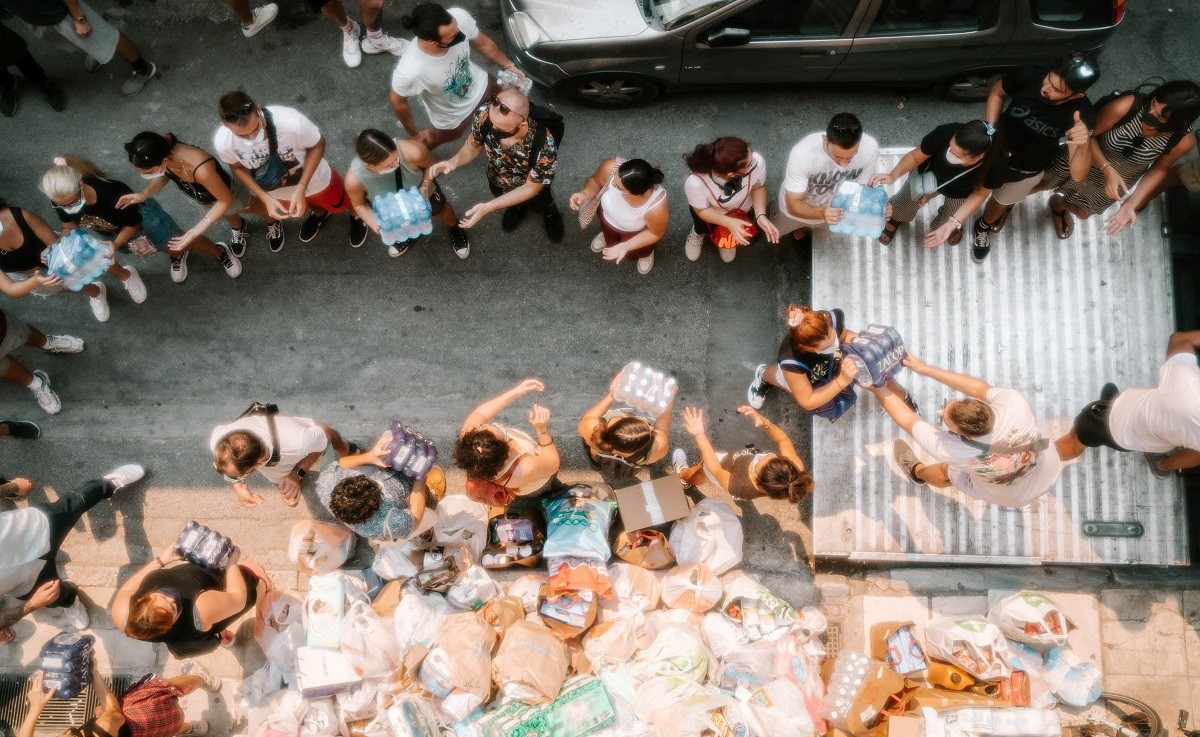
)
(1141, 96)
(547, 120)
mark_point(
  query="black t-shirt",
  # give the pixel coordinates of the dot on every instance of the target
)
(37, 12)
(818, 367)
(1031, 127)
(935, 145)
(104, 217)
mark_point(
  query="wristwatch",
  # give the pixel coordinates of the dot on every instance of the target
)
(300, 472)
(81, 19)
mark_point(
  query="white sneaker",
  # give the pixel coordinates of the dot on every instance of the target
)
(135, 286)
(195, 668)
(90, 64)
(63, 344)
(198, 728)
(99, 304)
(692, 246)
(351, 51)
(232, 264)
(395, 252)
(679, 462)
(598, 243)
(45, 396)
(393, 46)
(179, 268)
(77, 614)
(727, 254)
(645, 264)
(123, 476)
(262, 18)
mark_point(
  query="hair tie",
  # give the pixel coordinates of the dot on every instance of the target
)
(60, 161)
(794, 320)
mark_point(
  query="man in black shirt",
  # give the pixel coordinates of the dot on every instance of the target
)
(1046, 109)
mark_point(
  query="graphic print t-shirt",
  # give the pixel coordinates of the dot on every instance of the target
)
(1007, 479)
(450, 86)
(295, 135)
(814, 174)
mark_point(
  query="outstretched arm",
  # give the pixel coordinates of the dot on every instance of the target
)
(487, 411)
(969, 385)
(894, 405)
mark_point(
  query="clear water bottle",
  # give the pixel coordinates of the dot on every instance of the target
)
(842, 197)
(514, 81)
(79, 258)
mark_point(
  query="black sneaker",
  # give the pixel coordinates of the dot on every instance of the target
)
(903, 453)
(275, 236)
(981, 246)
(238, 240)
(21, 429)
(311, 225)
(460, 242)
(1109, 392)
(513, 217)
(53, 94)
(358, 232)
(553, 220)
(8, 98)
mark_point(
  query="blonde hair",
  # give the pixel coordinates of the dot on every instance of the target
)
(65, 177)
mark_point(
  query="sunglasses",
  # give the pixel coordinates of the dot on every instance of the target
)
(504, 109)
(233, 479)
(458, 38)
(234, 116)
(851, 130)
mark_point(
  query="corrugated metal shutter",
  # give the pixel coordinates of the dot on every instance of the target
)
(1053, 319)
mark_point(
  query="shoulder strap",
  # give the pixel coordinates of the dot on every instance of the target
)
(1037, 446)
(793, 362)
(539, 140)
(272, 140)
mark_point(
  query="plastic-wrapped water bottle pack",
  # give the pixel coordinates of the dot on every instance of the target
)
(412, 454)
(878, 353)
(403, 215)
(204, 547)
(862, 209)
(79, 258)
(66, 662)
(645, 390)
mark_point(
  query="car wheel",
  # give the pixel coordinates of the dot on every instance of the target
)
(969, 86)
(612, 92)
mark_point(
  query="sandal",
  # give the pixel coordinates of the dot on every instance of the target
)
(889, 232)
(955, 237)
(1064, 224)
(7, 635)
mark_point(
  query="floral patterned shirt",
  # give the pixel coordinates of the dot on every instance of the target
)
(509, 168)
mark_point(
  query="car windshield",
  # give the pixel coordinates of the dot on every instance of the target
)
(674, 13)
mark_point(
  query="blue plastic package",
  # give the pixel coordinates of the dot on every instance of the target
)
(578, 527)
(403, 215)
(79, 258)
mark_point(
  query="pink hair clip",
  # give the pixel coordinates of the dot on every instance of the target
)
(60, 161)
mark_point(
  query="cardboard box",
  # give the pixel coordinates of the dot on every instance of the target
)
(324, 610)
(879, 684)
(904, 726)
(322, 672)
(652, 503)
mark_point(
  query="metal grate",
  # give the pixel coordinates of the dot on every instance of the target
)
(59, 715)
(833, 640)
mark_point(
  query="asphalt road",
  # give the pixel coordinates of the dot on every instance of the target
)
(354, 338)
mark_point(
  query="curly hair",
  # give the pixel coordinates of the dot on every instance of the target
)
(480, 453)
(623, 435)
(355, 499)
(147, 619)
(779, 478)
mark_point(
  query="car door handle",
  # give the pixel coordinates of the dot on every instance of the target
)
(973, 45)
(818, 52)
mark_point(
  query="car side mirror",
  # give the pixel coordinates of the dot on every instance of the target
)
(726, 37)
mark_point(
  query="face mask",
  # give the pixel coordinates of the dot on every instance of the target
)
(155, 175)
(175, 597)
(389, 170)
(75, 207)
(833, 349)
(950, 157)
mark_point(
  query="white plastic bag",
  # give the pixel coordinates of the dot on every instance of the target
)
(395, 560)
(369, 642)
(279, 627)
(777, 710)
(610, 643)
(527, 588)
(417, 619)
(319, 547)
(260, 685)
(284, 715)
(320, 720)
(753, 607)
(678, 650)
(722, 636)
(462, 522)
(359, 704)
(710, 534)
(1074, 680)
(637, 585)
(970, 642)
(474, 588)
(694, 587)
(1032, 618)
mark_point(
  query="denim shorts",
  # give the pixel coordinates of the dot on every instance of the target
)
(158, 226)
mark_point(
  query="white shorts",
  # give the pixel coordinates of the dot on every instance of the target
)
(100, 44)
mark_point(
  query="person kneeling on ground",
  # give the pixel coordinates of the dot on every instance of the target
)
(369, 497)
(1161, 421)
(32, 536)
(991, 448)
(631, 205)
(185, 606)
(282, 449)
(748, 473)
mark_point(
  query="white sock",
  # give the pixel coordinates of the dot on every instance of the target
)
(374, 33)
(350, 28)
(37, 383)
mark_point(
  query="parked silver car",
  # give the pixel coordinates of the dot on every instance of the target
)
(617, 53)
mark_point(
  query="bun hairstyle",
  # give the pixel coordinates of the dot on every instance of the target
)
(65, 177)
(480, 453)
(639, 176)
(808, 327)
(974, 138)
(373, 146)
(623, 435)
(779, 478)
(148, 149)
(425, 20)
(722, 156)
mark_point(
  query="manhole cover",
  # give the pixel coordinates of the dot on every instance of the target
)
(59, 715)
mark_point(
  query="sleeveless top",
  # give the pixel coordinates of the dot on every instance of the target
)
(622, 216)
(524, 446)
(28, 255)
(742, 465)
(190, 580)
(377, 184)
(195, 189)
(618, 466)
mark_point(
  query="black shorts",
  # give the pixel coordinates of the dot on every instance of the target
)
(437, 200)
(1091, 425)
(316, 5)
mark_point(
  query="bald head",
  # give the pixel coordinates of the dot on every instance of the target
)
(514, 101)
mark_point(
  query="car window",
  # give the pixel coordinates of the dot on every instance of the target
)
(1074, 13)
(678, 12)
(792, 18)
(905, 17)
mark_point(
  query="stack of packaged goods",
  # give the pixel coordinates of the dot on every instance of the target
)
(66, 663)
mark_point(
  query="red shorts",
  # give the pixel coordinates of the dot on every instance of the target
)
(333, 198)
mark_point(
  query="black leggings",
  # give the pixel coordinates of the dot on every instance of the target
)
(63, 514)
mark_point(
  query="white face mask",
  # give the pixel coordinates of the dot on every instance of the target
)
(1, 228)
(833, 349)
(75, 207)
(950, 157)
(155, 175)
(388, 170)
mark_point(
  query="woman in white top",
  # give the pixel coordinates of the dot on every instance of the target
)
(632, 210)
(727, 196)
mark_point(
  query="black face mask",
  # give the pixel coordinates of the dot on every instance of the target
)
(175, 597)
(458, 38)
(500, 135)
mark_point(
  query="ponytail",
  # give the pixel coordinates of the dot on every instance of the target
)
(724, 155)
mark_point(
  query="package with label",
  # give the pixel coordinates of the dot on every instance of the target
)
(66, 663)
(199, 545)
(322, 672)
(514, 539)
(568, 613)
(970, 642)
(578, 527)
(753, 606)
(582, 708)
(1032, 618)
(1003, 722)
(324, 609)
(858, 690)
(530, 664)
(468, 642)
(896, 644)
(652, 503)
(644, 548)
(413, 718)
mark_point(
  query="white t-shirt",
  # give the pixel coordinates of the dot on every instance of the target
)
(298, 437)
(704, 190)
(812, 173)
(1007, 479)
(450, 86)
(1161, 418)
(295, 134)
(25, 533)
